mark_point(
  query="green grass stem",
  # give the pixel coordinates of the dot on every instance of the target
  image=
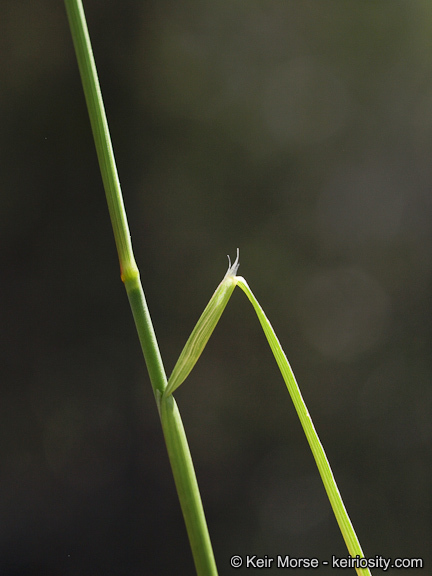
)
(128, 268)
(187, 487)
(178, 450)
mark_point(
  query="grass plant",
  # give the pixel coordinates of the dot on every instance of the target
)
(174, 434)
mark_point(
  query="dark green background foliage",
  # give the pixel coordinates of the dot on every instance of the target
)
(300, 132)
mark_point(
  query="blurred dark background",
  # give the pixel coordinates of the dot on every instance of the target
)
(300, 132)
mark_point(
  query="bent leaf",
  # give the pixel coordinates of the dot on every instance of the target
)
(192, 351)
(317, 448)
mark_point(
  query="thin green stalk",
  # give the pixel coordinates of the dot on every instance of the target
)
(178, 450)
(128, 268)
(187, 487)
